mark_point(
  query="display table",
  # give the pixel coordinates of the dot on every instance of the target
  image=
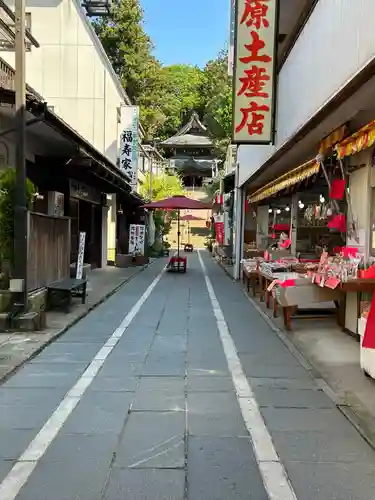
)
(304, 292)
(250, 278)
(350, 301)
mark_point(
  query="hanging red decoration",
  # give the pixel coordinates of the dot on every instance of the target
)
(337, 189)
(338, 222)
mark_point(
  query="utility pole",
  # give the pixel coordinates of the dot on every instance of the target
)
(19, 284)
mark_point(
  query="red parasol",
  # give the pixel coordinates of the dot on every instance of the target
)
(177, 203)
(189, 217)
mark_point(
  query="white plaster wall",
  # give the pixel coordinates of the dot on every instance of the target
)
(71, 72)
(360, 195)
(337, 41)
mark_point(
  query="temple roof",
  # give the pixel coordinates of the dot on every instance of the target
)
(194, 133)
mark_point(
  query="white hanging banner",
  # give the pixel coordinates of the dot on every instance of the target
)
(137, 233)
(129, 144)
(81, 255)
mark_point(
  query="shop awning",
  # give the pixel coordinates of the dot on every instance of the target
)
(291, 178)
(364, 138)
(333, 138)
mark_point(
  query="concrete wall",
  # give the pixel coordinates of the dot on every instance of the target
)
(71, 71)
(337, 41)
(360, 195)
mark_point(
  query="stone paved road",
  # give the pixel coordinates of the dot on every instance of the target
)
(175, 389)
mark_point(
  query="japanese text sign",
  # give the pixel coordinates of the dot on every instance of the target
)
(137, 234)
(254, 71)
(129, 144)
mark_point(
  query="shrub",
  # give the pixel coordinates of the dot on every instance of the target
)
(7, 201)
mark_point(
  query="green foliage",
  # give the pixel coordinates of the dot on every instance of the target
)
(217, 95)
(7, 196)
(182, 84)
(166, 95)
(163, 186)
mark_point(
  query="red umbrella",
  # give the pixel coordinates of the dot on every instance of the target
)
(189, 217)
(177, 203)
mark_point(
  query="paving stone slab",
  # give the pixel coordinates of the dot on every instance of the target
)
(162, 367)
(161, 385)
(24, 417)
(223, 468)
(58, 381)
(81, 447)
(99, 413)
(215, 414)
(207, 372)
(277, 371)
(207, 363)
(302, 419)
(121, 369)
(284, 383)
(338, 481)
(113, 384)
(329, 446)
(69, 479)
(159, 402)
(5, 468)
(30, 396)
(292, 398)
(146, 484)
(14, 442)
(153, 440)
(210, 384)
(169, 344)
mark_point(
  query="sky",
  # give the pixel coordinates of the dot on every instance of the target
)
(187, 31)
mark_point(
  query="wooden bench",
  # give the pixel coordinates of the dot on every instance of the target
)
(64, 290)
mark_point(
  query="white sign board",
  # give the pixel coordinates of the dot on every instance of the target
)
(137, 234)
(129, 144)
(254, 71)
(81, 255)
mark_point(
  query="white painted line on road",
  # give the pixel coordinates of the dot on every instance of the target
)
(274, 476)
(25, 465)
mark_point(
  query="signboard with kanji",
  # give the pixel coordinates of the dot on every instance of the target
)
(137, 235)
(254, 71)
(129, 144)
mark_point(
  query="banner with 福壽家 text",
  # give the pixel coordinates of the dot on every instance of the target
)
(128, 157)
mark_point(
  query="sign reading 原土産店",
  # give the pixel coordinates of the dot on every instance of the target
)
(254, 71)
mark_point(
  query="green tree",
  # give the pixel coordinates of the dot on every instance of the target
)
(216, 91)
(182, 95)
(7, 197)
(163, 186)
(129, 49)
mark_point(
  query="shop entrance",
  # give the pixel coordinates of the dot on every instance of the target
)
(86, 216)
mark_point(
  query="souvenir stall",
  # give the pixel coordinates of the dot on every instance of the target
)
(307, 216)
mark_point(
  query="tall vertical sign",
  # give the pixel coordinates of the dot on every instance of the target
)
(232, 29)
(129, 144)
(254, 71)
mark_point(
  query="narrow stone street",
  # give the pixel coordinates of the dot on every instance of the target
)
(176, 388)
